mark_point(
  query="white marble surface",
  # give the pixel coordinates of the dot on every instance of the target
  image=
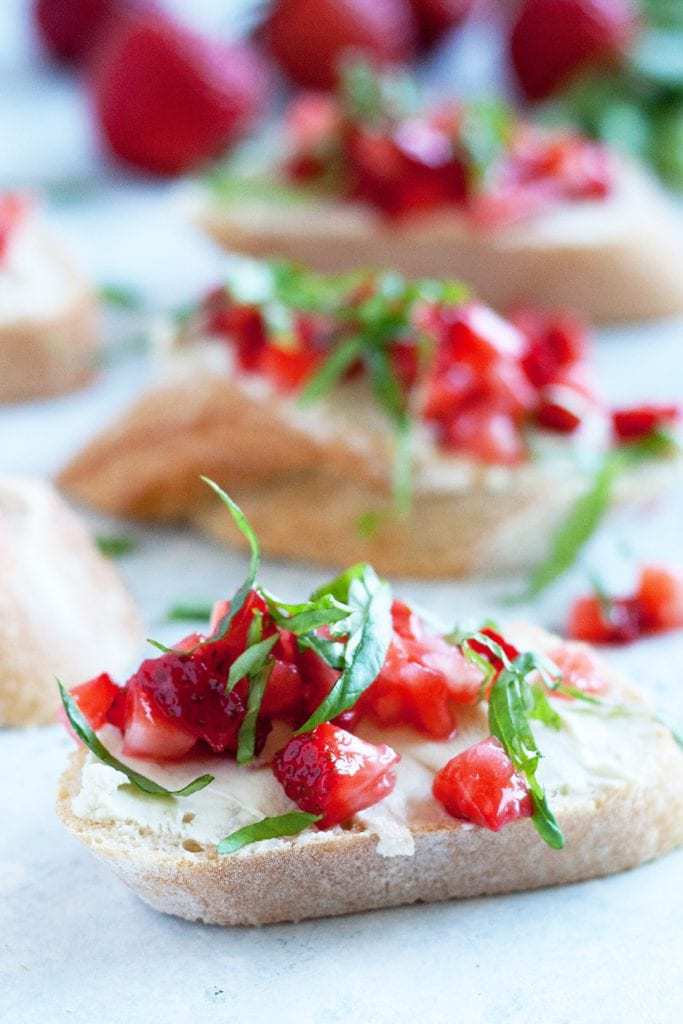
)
(75, 946)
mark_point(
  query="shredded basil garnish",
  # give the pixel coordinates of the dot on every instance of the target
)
(189, 612)
(245, 528)
(290, 824)
(115, 546)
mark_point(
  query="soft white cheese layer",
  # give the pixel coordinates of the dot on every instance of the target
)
(34, 282)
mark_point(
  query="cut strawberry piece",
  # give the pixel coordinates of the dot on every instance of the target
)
(639, 421)
(309, 39)
(660, 594)
(481, 785)
(69, 28)
(554, 342)
(557, 417)
(334, 773)
(508, 649)
(553, 39)
(13, 209)
(437, 17)
(283, 698)
(169, 100)
(478, 337)
(578, 668)
(487, 434)
(289, 368)
(615, 621)
(95, 699)
(148, 732)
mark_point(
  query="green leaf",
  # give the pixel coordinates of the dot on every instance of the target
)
(245, 528)
(332, 370)
(250, 661)
(365, 649)
(307, 617)
(246, 738)
(115, 546)
(122, 296)
(229, 187)
(510, 703)
(340, 586)
(84, 732)
(189, 612)
(161, 647)
(485, 135)
(542, 709)
(331, 652)
(290, 824)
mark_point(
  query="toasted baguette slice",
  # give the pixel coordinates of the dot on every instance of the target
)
(617, 793)
(613, 260)
(63, 609)
(306, 478)
(49, 330)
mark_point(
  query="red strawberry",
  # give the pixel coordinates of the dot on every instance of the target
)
(308, 37)
(552, 39)
(639, 421)
(167, 100)
(482, 786)
(334, 773)
(13, 208)
(437, 17)
(95, 698)
(68, 28)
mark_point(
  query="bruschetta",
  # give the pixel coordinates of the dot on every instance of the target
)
(63, 608)
(341, 754)
(369, 417)
(465, 191)
(49, 331)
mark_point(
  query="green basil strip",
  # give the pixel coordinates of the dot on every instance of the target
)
(331, 651)
(340, 585)
(290, 824)
(84, 732)
(161, 647)
(122, 296)
(245, 528)
(365, 649)
(509, 705)
(304, 618)
(246, 738)
(332, 370)
(250, 661)
(115, 546)
(189, 612)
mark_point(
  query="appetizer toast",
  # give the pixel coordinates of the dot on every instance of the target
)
(49, 331)
(368, 417)
(464, 191)
(348, 756)
(63, 607)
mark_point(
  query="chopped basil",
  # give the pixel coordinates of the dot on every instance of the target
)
(251, 661)
(189, 612)
(304, 618)
(246, 738)
(115, 546)
(290, 824)
(511, 704)
(368, 630)
(122, 296)
(84, 732)
(333, 369)
(161, 647)
(245, 528)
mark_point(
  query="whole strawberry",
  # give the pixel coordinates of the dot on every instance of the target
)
(308, 38)
(68, 29)
(167, 99)
(552, 39)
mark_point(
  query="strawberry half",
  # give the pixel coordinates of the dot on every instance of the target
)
(167, 99)
(333, 773)
(481, 785)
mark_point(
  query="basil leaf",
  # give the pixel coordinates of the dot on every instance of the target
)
(84, 732)
(290, 824)
(509, 704)
(250, 661)
(122, 296)
(542, 710)
(339, 587)
(115, 547)
(246, 738)
(331, 652)
(331, 371)
(161, 647)
(365, 649)
(245, 528)
(189, 612)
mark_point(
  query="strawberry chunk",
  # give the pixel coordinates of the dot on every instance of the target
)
(578, 668)
(13, 209)
(149, 732)
(639, 421)
(660, 595)
(334, 773)
(481, 785)
(615, 621)
(95, 698)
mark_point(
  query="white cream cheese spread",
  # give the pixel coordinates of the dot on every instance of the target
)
(35, 283)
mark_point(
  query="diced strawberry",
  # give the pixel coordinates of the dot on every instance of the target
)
(639, 421)
(13, 209)
(578, 668)
(167, 99)
(554, 342)
(289, 368)
(487, 434)
(149, 732)
(283, 698)
(95, 698)
(615, 621)
(554, 415)
(508, 649)
(478, 337)
(553, 39)
(69, 28)
(334, 773)
(309, 43)
(481, 785)
(660, 593)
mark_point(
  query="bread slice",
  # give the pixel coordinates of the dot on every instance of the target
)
(621, 807)
(63, 608)
(613, 260)
(305, 478)
(49, 323)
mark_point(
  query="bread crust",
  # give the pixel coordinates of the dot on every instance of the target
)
(49, 355)
(618, 828)
(63, 608)
(305, 494)
(621, 264)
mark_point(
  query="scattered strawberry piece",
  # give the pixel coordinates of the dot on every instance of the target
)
(167, 99)
(308, 39)
(656, 606)
(13, 208)
(579, 668)
(437, 17)
(639, 421)
(481, 785)
(334, 773)
(148, 731)
(69, 28)
(551, 40)
(95, 699)
(508, 649)
(557, 417)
